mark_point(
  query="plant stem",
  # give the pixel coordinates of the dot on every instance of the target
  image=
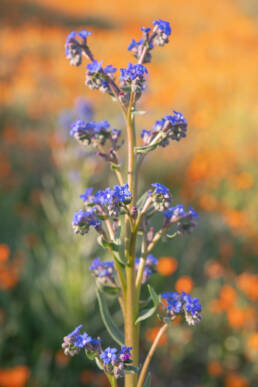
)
(150, 354)
(112, 380)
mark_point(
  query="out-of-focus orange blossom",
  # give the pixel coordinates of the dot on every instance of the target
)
(14, 377)
(235, 380)
(61, 359)
(167, 265)
(213, 269)
(4, 252)
(151, 333)
(252, 341)
(227, 296)
(184, 284)
(248, 283)
(215, 368)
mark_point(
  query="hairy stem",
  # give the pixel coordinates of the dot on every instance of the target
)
(150, 354)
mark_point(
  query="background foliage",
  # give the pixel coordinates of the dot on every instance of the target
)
(209, 72)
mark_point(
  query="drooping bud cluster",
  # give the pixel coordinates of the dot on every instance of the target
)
(98, 78)
(114, 362)
(171, 127)
(161, 197)
(175, 303)
(76, 340)
(158, 36)
(104, 272)
(95, 133)
(185, 220)
(149, 267)
(74, 48)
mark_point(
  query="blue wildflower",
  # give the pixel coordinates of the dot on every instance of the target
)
(146, 30)
(185, 219)
(163, 31)
(146, 135)
(82, 340)
(109, 355)
(133, 72)
(161, 197)
(82, 220)
(125, 353)
(87, 194)
(73, 48)
(149, 267)
(109, 69)
(176, 303)
(94, 66)
(103, 271)
(122, 193)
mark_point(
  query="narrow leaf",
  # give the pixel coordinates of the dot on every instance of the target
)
(112, 328)
(147, 382)
(130, 369)
(149, 312)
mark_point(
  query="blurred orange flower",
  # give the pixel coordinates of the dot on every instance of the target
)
(215, 368)
(235, 380)
(248, 283)
(213, 269)
(185, 284)
(4, 252)
(151, 334)
(236, 317)
(167, 265)
(61, 359)
(252, 341)
(227, 296)
(14, 377)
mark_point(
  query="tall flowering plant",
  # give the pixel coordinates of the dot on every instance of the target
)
(122, 217)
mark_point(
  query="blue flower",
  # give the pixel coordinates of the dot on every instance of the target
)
(149, 267)
(125, 353)
(74, 334)
(82, 220)
(85, 196)
(146, 30)
(103, 270)
(122, 193)
(73, 48)
(109, 355)
(82, 340)
(163, 26)
(133, 72)
(185, 219)
(177, 303)
(160, 189)
(134, 45)
(109, 69)
(175, 212)
(84, 34)
(94, 66)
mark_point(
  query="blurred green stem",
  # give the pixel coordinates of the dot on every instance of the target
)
(112, 380)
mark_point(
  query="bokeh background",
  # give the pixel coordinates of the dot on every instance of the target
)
(209, 73)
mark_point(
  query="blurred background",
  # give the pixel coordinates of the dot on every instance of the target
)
(209, 73)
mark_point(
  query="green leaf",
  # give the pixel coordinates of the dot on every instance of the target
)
(130, 369)
(147, 382)
(141, 201)
(105, 244)
(99, 364)
(110, 325)
(148, 312)
(140, 112)
(90, 355)
(111, 290)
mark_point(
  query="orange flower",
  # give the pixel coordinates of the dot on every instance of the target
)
(167, 265)
(227, 296)
(214, 368)
(14, 377)
(208, 202)
(184, 284)
(151, 334)
(252, 341)
(4, 252)
(215, 307)
(244, 181)
(87, 376)
(235, 380)
(213, 269)
(236, 317)
(61, 359)
(248, 283)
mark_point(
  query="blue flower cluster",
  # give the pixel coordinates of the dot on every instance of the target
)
(104, 272)
(171, 127)
(74, 48)
(161, 197)
(149, 267)
(95, 132)
(82, 220)
(98, 78)
(103, 203)
(76, 340)
(142, 49)
(176, 303)
(114, 362)
(185, 219)
(132, 79)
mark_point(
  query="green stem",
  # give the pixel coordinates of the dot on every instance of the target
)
(150, 354)
(112, 380)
